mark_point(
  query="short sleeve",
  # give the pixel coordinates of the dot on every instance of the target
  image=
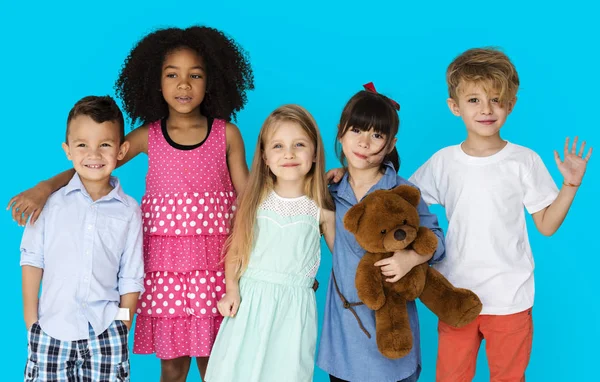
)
(538, 186)
(424, 179)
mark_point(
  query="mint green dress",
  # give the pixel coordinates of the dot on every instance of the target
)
(273, 336)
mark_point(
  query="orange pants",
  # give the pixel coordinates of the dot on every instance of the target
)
(508, 342)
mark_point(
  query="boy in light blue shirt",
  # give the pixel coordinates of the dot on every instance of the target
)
(86, 251)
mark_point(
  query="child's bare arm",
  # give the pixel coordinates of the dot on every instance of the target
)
(32, 277)
(549, 219)
(229, 304)
(236, 158)
(29, 203)
(328, 224)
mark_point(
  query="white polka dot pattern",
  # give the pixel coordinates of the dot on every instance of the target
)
(208, 213)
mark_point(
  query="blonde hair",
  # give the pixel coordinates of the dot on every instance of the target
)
(487, 67)
(239, 244)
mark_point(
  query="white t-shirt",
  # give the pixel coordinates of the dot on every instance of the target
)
(487, 247)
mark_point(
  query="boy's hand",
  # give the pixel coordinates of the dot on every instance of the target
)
(228, 305)
(30, 321)
(29, 203)
(574, 165)
(335, 175)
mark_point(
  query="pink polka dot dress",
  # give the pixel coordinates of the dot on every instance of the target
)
(186, 209)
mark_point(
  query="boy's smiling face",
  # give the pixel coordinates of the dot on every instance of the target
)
(94, 148)
(480, 109)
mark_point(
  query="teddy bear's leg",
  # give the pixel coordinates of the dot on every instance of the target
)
(411, 285)
(369, 281)
(454, 306)
(394, 335)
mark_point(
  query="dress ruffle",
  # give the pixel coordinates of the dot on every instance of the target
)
(178, 337)
(184, 254)
(188, 213)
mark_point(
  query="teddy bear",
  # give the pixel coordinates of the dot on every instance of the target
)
(385, 221)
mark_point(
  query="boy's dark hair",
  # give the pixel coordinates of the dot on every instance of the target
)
(367, 110)
(100, 109)
(229, 74)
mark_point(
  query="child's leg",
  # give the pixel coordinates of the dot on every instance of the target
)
(457, 352)
(106, 356)
(508, 345)
(174, 370)
(49, 359)
(202, 363)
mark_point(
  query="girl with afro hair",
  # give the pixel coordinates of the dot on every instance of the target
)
(182, 86)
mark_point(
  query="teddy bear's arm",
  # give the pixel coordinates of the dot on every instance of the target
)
(369, 281)
(426, 242)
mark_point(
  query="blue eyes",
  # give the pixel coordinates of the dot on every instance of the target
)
(278, 146)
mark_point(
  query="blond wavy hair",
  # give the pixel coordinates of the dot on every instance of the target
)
(261, 181)
(487, 67)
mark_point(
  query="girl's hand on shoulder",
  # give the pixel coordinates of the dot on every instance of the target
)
(335, 175)
(29, 203)
(229, 304)
(574, 164)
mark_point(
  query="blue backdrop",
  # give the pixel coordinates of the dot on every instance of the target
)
(317, 54)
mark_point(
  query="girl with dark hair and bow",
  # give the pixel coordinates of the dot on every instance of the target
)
(366, 146)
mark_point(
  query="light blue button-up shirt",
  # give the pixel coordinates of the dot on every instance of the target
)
(91, 254)
(345, 351)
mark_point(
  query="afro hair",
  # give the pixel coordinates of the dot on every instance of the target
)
(229, 74)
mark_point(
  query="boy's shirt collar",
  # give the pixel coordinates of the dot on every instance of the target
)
(116, 193)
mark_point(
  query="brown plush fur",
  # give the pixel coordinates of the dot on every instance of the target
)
(386, 221)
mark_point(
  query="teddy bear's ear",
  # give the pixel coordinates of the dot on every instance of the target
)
(352, 217)
(411, 194)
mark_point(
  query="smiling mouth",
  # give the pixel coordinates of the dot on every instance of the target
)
(290, 165)
(361, 156)
(94, 166)
(487, 122)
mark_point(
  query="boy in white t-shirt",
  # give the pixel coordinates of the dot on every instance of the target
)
(484, 183)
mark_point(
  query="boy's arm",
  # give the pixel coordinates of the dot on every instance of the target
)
(424, 179)
(129, 301)
(131, 268)
(32, 265)
(549, 219)
(32, 277)
(30, 203)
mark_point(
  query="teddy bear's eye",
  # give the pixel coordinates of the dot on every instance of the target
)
(404, 222)
(383, 231)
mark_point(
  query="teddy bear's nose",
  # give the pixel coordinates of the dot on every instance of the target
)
(399, 235)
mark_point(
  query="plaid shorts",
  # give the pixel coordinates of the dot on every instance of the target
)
(103, 358)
